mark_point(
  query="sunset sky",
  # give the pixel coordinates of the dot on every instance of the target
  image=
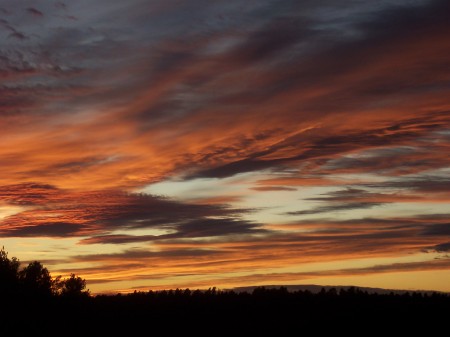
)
(149, 144)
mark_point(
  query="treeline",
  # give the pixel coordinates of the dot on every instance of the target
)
(35, 280)
(67, 310)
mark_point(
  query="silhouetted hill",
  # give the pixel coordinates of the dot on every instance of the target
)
(314, 288)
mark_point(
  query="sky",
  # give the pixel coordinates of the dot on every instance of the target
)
(160, 144)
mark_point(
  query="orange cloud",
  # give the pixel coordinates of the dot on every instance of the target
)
(344, 112)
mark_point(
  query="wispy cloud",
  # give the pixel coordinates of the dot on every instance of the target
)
(58, 213)
(327, 123)
(33, 11)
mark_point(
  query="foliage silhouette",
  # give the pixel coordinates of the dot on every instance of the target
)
(74, 286)
(68, 307)
(35, 280)
(9, 269)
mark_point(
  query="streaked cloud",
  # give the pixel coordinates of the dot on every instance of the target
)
(232, 137)
(58, 213)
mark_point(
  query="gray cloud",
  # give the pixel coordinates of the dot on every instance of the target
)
(144, 254)
(338, 207)
(330, 146)
(440, 229)
(348, 194)
(196, 89)
(442, 247)
(100, 212)
(424, 184)
(343, 200)
(35, 12)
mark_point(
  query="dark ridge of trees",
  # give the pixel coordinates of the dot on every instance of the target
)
(34, 304)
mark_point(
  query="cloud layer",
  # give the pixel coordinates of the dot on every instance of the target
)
(205, 141)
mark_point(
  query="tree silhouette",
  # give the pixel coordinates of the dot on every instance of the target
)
(8, 272)
(74, 286)
(68, 306)
(36, 279)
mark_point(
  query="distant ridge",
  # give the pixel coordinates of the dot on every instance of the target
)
(314, 288)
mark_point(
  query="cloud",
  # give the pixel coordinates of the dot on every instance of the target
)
(30, 194)
(334, 208)
(58, 213)
(421, 184)
(60, 5)
(376, 269)
(273, 188)
(141, 254)
(14, 33)
(345, 105)
(195, 262)
(442, 247)
(421, 227)
(401, 130)
(161, 85)
(334, 146)
(345, 200)
(192, 229)
(440, 229)
(273, 39)
(35, 12)
(185, 255)
(346, 195)
(43, 229)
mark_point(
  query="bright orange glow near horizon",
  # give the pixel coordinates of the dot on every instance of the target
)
(151, 145)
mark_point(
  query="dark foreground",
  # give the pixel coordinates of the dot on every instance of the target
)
(264, 312)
